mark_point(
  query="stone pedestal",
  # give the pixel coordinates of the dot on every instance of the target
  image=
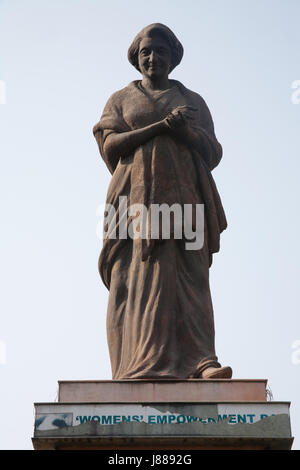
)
(162, 414)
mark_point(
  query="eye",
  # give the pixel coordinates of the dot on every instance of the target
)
(162, 51)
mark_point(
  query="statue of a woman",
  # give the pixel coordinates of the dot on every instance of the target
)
(157, 139)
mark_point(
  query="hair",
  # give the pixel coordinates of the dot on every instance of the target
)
(156, 29)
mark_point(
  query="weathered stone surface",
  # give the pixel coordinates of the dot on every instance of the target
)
(192, 390)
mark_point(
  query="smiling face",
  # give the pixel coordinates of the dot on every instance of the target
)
(154, 58)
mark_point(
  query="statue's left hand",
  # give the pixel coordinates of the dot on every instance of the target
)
(180, 117)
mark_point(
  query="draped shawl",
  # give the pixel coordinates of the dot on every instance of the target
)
(151, 170)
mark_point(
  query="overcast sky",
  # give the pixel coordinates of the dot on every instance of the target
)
(60, 60)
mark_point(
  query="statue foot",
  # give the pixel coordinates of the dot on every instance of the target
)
(217, 373)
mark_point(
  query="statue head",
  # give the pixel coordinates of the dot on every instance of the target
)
(155, 50)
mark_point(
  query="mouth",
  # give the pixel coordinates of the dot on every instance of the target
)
(153, 68)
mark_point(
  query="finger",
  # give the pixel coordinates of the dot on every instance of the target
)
(179, 108)
(178, 114)
(184, 107)
(181, 117)
(187, 115)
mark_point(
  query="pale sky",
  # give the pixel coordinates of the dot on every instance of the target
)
(60, 61)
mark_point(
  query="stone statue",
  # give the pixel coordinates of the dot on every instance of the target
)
(157, 139)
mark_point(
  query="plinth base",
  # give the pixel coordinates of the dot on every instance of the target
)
(166, 390)
(164, 414)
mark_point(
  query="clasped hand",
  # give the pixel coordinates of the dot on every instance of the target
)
(179, 117)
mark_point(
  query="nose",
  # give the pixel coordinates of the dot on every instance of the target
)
(152, 57)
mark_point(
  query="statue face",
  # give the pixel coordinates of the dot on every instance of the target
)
(154, 57)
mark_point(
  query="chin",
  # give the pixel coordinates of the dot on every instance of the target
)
(154, 75)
